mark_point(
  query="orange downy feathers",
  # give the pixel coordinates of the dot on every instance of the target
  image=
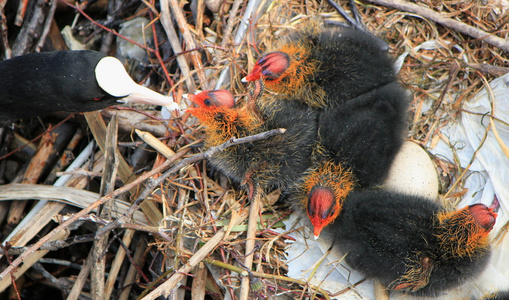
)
(465, 232)
(222, 124)
(417, 275)
(222, 120)
(289, 71)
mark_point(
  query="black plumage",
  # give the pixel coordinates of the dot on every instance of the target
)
(347, 76)
(325, 67)
(411, 244)
(365, 134)
(72, 81)
(275, 162)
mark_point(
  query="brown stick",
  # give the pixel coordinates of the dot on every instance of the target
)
(175, 44)
(190, 44)
(31, 176)
(448, 22)
(254, 210)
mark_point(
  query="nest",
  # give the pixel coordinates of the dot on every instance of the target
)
(166, 224)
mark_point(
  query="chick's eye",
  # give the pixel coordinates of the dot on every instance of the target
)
(269, 76)
(207, 102)
(328, 213)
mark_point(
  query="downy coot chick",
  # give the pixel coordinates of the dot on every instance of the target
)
(325, 66)
(346, 75)
(412, 244)
(271, 163)
(72, 81)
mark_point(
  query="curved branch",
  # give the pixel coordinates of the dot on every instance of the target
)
(448, 22)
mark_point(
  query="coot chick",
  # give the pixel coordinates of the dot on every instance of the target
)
(411, 244)
(321, 193)
(275, 162)
(325, 66)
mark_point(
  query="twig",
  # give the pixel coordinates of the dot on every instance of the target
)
(47, 26)
(175, 45)
(243, 272)
(107, 186)
(117, 263)
(31, 176)
(231, 20)
(254, 210)
(453, 73)
(448, 22)
(60, 284)
(249, 16)
(37, 137)
(20, 15)
(54, 245)
(4, 37)
(185, 162)
(85, 211)
(188, 39)
(130, 277)
(31, 29)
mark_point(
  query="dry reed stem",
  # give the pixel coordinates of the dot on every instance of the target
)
(254, 216)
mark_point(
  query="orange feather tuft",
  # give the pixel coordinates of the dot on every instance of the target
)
(465, 232)
(416, 276)
(222, 123)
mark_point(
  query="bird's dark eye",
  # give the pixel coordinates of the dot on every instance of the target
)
(269, 76)
(328, 213)
(207, 102)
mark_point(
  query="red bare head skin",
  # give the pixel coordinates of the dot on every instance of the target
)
(270, 66)
(483, 215)
(214, 98)
(321, 209)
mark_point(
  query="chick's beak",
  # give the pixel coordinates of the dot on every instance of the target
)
(316, 231)
(254, 75)
(192, 98)
(319, 223)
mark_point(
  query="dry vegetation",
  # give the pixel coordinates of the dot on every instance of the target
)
(184, 206)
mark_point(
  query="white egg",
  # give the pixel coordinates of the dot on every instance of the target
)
(413, 172)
